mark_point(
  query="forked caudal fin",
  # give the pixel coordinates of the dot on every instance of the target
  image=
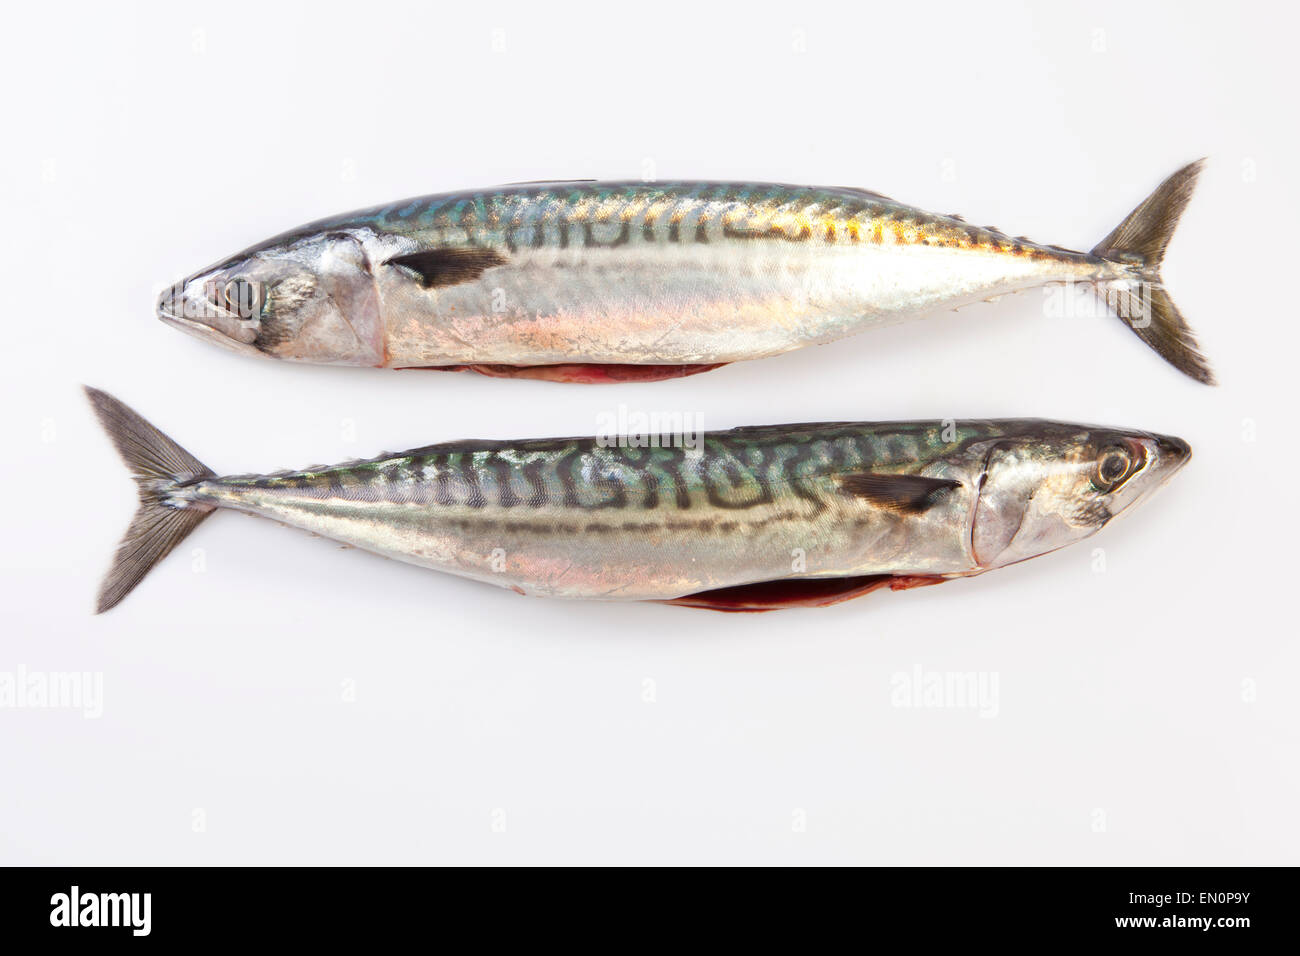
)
(1138, 243)
(159, 466)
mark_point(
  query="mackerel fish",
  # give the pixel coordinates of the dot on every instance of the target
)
(749, 519)
(617, 281)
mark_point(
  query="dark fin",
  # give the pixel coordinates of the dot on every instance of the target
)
(1139, 242)
(583, 373)
(450, 266)
(158, 465)
(869, 193)
(799, 592)
(906, 494)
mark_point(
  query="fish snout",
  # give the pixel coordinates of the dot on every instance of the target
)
(1170, 453)
(170, 301)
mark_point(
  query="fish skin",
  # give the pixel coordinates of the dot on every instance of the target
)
(584, 519)
(627, 273)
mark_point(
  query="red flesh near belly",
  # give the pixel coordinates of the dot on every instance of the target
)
(581, 373)
(800, 592)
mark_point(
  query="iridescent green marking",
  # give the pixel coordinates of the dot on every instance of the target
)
(736, 471)
(616, 214)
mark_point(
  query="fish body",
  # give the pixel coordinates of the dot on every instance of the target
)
(765, 517)
(655, 276)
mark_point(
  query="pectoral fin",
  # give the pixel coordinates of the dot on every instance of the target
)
(450, 266)
(905, 494)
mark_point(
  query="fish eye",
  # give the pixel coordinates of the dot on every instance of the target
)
(243, 298)
(1113, 466)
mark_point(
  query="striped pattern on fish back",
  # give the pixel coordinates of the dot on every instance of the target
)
(734, 471)
(616, 214)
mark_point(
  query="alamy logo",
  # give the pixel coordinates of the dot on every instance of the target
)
(630, 428)
(102, 909)
(970, 690)
(66, 690)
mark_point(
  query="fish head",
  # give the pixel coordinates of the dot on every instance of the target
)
(309, 299)
(1056, 485)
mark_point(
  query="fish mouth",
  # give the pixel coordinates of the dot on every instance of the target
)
(1174, 448)
(173, 302)
(207, 333)
(1169, 456)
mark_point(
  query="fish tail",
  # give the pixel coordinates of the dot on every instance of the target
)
(160, 467)
(1138, 245)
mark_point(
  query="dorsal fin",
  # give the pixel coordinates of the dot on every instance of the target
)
(869, 193)
(449, 266)
(549, 182)
(905, 494)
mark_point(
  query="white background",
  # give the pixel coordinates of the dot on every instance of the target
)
(1146, 713)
